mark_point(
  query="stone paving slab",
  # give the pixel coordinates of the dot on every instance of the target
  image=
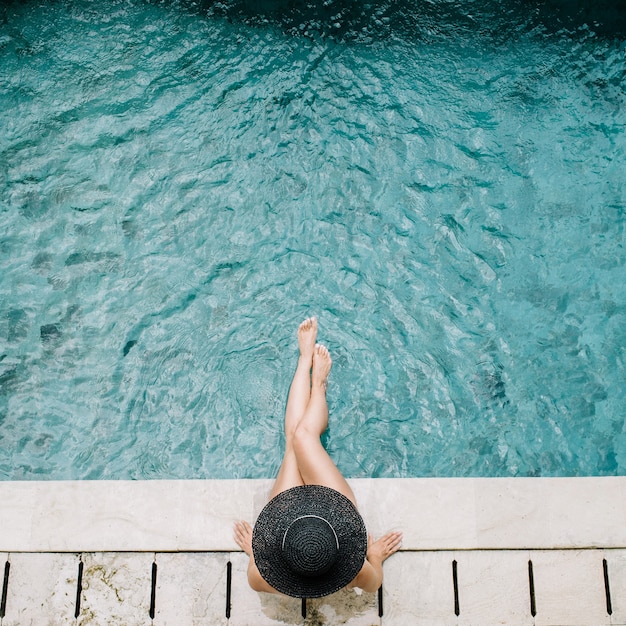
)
(493, 587)
(116, 589)
(420, 588)
(434, 514)
(191, 589)
(41, 589)
(569, 587)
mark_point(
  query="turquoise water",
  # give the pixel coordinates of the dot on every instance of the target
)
(442, 184)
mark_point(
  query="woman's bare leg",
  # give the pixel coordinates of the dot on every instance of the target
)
(315, 465)
(297, 402)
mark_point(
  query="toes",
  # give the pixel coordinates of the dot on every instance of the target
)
(309, 324)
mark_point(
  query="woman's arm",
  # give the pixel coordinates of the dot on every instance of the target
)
(256, 581)
(370, 577)
(243, 537)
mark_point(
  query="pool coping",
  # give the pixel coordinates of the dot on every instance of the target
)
(197, 515)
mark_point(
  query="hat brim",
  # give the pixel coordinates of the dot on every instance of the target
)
(276, 517)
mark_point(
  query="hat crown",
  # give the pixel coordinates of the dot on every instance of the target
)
(310, 545)
(272, 541)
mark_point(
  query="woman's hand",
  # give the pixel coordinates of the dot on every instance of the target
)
(381, 549)
(243, 536)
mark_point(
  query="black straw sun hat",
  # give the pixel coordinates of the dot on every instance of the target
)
(309, 541)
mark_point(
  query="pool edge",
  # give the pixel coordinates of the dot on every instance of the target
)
(197, 515)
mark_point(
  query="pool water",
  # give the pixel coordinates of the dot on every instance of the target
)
(441, 183)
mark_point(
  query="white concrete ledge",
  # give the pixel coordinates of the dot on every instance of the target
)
(422, 588)
(434, 514)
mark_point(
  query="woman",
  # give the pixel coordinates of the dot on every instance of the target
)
(309, 540)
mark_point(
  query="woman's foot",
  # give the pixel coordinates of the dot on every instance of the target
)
(307, 335)
(321, 366)
(243, 536)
